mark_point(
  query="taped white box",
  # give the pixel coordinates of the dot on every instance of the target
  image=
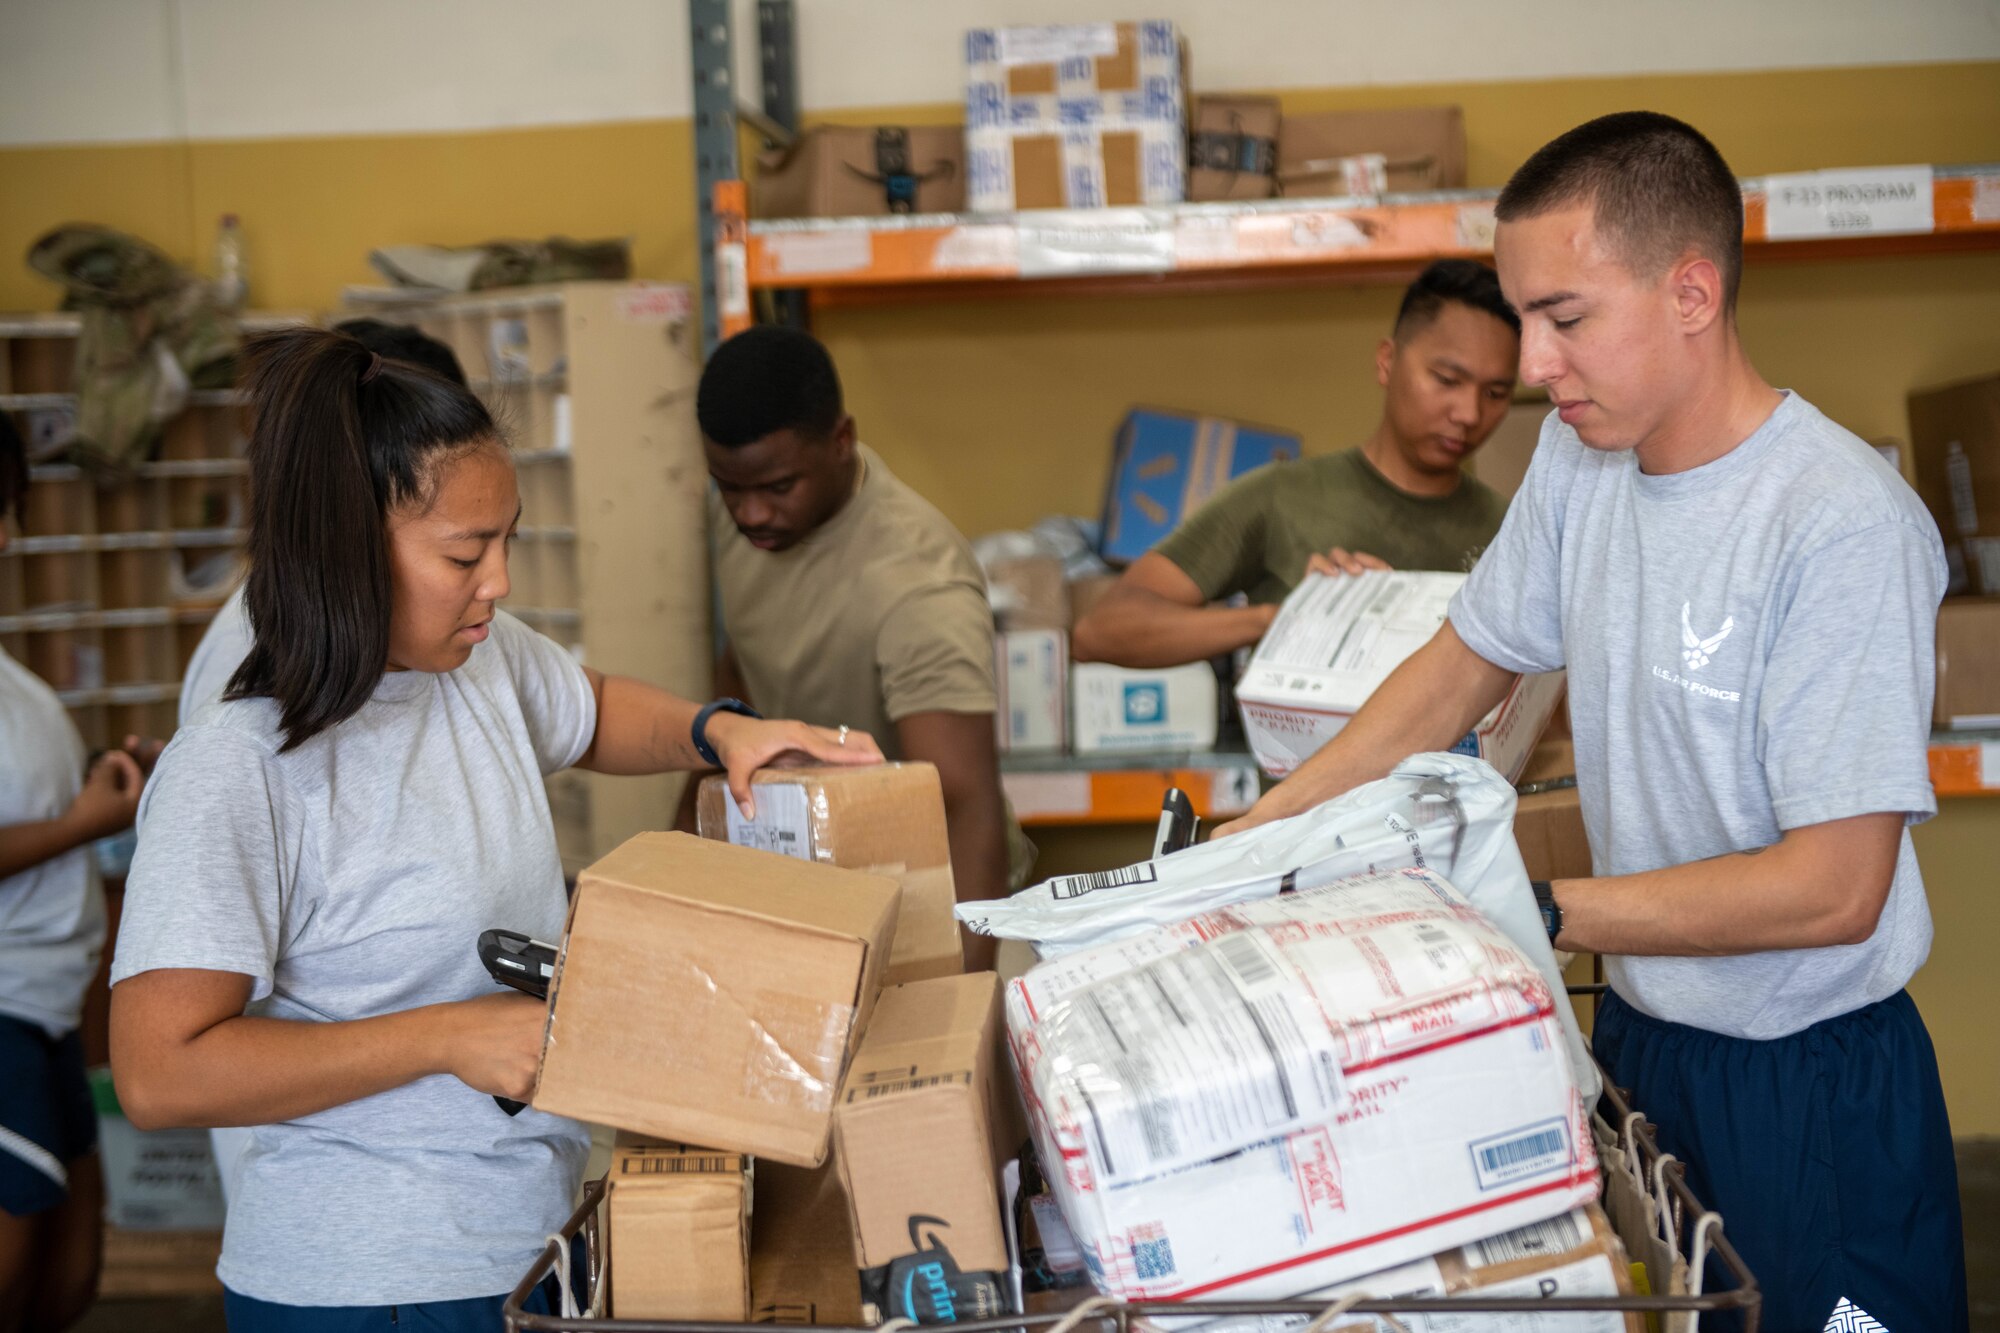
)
(1117, 708)
(1337, 638)
(1289, 1093)
(1031, 672)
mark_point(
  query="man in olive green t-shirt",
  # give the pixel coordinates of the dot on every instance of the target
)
(1400, 500)
(847, 598)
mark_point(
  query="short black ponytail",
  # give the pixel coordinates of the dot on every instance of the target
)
(330, 457)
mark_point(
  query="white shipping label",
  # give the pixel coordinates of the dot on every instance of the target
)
(783, 823)
(1197, 1056)
(1057, 42)
(1868, 201)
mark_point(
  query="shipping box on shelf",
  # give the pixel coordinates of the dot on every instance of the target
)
(1077, 115)
(1028, 592)
(1955, 442)
(1031, 670)
(1166, 464)
(840, 171)
(711, 994)
(885, 819)
(678, 1237)
(1968, 663)
(918, 1143)
(1233, 148)
(1337, 638)
(1155, 708)
(1423, 148)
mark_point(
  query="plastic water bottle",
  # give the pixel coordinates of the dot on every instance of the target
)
(232, 269)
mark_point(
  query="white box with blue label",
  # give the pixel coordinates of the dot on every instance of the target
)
(1075, 115)
(1337, 638)
(1168, 464)
(1119, 708)
(1031, 671)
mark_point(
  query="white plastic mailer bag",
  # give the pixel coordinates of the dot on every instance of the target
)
(1280, 1095)
(1448, 813)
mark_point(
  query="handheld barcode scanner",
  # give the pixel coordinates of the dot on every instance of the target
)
(1179, 824)
(513, 959)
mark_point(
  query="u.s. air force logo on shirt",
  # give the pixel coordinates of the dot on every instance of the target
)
(1697, 651)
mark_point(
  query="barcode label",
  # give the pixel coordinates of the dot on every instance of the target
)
(1075, 886)
(870, 1091)
(1522, 1154)
(1245, 954)
(678, 1164)
(1558, 1235)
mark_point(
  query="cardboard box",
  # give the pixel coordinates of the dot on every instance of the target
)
(1162, 708)
(885, 819)
(1031, 668)
(678, 1243)
(1423, 149)
(916, 1143)
(711, 994)
(1502, 462)
(1086, 593)
(1167, 464)
(1955, 444)
(838, 171)
(1029, 592)
(1337, 638)
(1968, 663)
(802, 1249)
(1081, 115)
(1548, 826)
(1233, 148)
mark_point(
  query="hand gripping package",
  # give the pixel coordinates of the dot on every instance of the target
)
(1441, 812)
(1284, 1094)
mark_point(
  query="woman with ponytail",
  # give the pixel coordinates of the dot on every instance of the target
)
(319, 852)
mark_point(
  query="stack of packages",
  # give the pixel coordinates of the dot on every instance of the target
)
(1329, 1054)
(773, 1016)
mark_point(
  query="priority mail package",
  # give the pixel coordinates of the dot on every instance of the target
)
(1031, 671)
(1116, 708)
(885, 819)
(1289, 1093)
(1337, 638)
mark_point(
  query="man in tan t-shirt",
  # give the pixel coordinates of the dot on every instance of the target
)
(848, 600)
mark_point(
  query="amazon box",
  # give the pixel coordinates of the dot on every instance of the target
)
(917, 1141)
(844, 171)
(1233, 148)
(885, 819)
(712, 994)
(678, 1232)
(1421, 148)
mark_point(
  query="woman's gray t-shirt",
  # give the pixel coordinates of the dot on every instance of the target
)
(351, 878)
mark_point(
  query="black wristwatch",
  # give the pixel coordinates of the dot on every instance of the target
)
(700, 728)
(1552, 912)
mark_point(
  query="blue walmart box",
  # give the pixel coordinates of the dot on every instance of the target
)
(1168, 463)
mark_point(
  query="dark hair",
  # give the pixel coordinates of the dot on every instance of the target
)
(766, 379)
(405, 342)
(13, 467)
(339, 437)
(1658, 189)
(1466, 281)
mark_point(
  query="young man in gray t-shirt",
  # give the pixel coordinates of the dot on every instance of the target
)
(1744, 596)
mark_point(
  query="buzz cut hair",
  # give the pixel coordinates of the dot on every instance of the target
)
(1657, 187)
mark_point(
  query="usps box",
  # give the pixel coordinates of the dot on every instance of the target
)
(1117, 708)
(1168, 463)
(1031, 668)
(1337, 638)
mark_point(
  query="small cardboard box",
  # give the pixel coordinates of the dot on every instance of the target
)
(802, 1249)
(1161, 708)
(1233, 148)
(1549, 828)
(1078, 115)
(1028, 592)
(1423, 149)
(678, 1242)
(1968, 663)
(711, 994)
(1031, 668)
(885, 819)
(1168, 463)
(1955, 443)
(916, 1141)
(839, 171)
(1337, 638)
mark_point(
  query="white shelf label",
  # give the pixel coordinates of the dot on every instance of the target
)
(1058, 242)
(1035, 795)
(1871, 201)
(1989, 763)
(981, 247)
(803, 254)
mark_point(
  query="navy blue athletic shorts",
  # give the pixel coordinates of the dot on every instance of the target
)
(1828, 1154)
(46, 1117)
